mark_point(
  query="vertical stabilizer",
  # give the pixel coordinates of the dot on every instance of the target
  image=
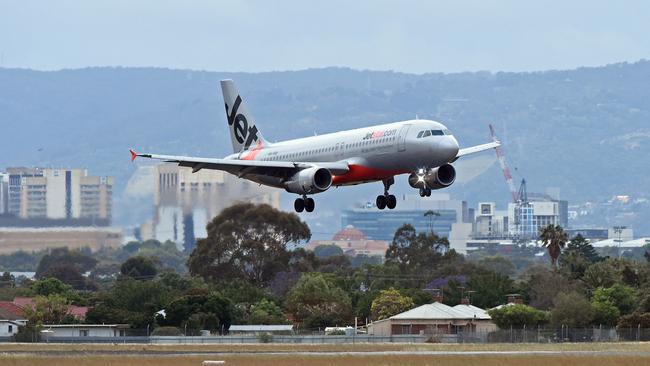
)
(244, 133)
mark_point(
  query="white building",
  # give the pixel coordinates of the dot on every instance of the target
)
(490, 223)
(84, 330)
(186, 201)
(4, 192)
(9, 323)
(37, 193)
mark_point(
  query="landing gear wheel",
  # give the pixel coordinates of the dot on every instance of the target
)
(391, 201)
(309, 204)
(381, 202)
(299, 204)
(428, 192)
(423, 192)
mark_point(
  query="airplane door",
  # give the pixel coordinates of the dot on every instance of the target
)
(401, 138)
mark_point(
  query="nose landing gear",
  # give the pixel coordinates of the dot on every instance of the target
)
(425, 192)
(304, 203)
(387, 200)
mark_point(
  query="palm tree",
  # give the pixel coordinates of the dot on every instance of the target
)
(431, 215)
(554, 239)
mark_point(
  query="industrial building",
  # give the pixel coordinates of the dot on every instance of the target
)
(33, 239)
(186, 201)
(66, 195)
(448, 218)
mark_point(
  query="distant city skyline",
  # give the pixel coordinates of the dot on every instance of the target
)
(249, 36)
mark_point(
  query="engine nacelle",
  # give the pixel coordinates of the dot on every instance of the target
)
(310, 180)
(436, 178)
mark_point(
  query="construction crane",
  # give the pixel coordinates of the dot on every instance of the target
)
(504, 167)
(522, 209)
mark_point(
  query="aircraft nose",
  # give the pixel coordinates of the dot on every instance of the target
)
(448, 148)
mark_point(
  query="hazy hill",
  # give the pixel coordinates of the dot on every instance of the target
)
(585, 131)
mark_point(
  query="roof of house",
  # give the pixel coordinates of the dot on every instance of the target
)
(473, 311)
(56, 326)
(23, 302)
(436, 311)
(349, 233)
(13, 308)
(261, 328)
(8, 315)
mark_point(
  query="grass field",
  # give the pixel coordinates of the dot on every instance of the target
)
(588, 354)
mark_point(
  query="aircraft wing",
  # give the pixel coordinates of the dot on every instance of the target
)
(241, 168)
(477, 148)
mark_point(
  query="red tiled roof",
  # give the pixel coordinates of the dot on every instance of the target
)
(24, 301)
(12, 308)
(349, 233)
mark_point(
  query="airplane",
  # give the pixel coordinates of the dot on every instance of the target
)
(424, 149)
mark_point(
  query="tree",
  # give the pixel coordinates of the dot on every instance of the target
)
(327, 250)
(579, 244)
(518, 316)
(210, 311)
(572, 310)
(600, 274)
(544, 285)
(266, 312)
(623, 297)
(413, 251)
(388, 303)
(490, 288)
(247, 241)
(573, 264)
(70, 275)
(139, 267)
(498, 264)
(63, 257)
(554, 239)
(51, 286)
(316, 302)
(52, 309)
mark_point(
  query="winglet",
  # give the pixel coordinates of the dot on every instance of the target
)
(133, 154)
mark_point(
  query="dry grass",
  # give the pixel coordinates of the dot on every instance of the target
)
(327, 360)
(364, 347)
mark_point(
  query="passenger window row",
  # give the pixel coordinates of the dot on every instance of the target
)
(299, 154)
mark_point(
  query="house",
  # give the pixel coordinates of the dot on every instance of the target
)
(84, 330)
(79, 312)
(434, 319)
(9, 323)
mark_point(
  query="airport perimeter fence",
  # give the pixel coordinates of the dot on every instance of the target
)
(526, 335)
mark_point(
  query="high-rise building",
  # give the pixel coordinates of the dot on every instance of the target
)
(59, 194)
(539, 212)
(447, 218)
(4, 193)
(186, 201)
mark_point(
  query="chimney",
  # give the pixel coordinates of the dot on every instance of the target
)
(514, 299)
(436, 294)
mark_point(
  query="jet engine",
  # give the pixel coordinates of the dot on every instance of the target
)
(309, 181)
(436, 178)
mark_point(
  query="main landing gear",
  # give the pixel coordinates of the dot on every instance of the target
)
(387, 200)
(304, 203)
(425, 192)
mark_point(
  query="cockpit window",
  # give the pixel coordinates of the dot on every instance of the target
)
(426, 133)
(437, 132)
(420, 134)
(447, 132)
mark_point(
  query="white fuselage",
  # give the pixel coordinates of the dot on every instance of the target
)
(373, 153)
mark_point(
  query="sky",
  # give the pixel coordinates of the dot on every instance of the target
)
(254, 36)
